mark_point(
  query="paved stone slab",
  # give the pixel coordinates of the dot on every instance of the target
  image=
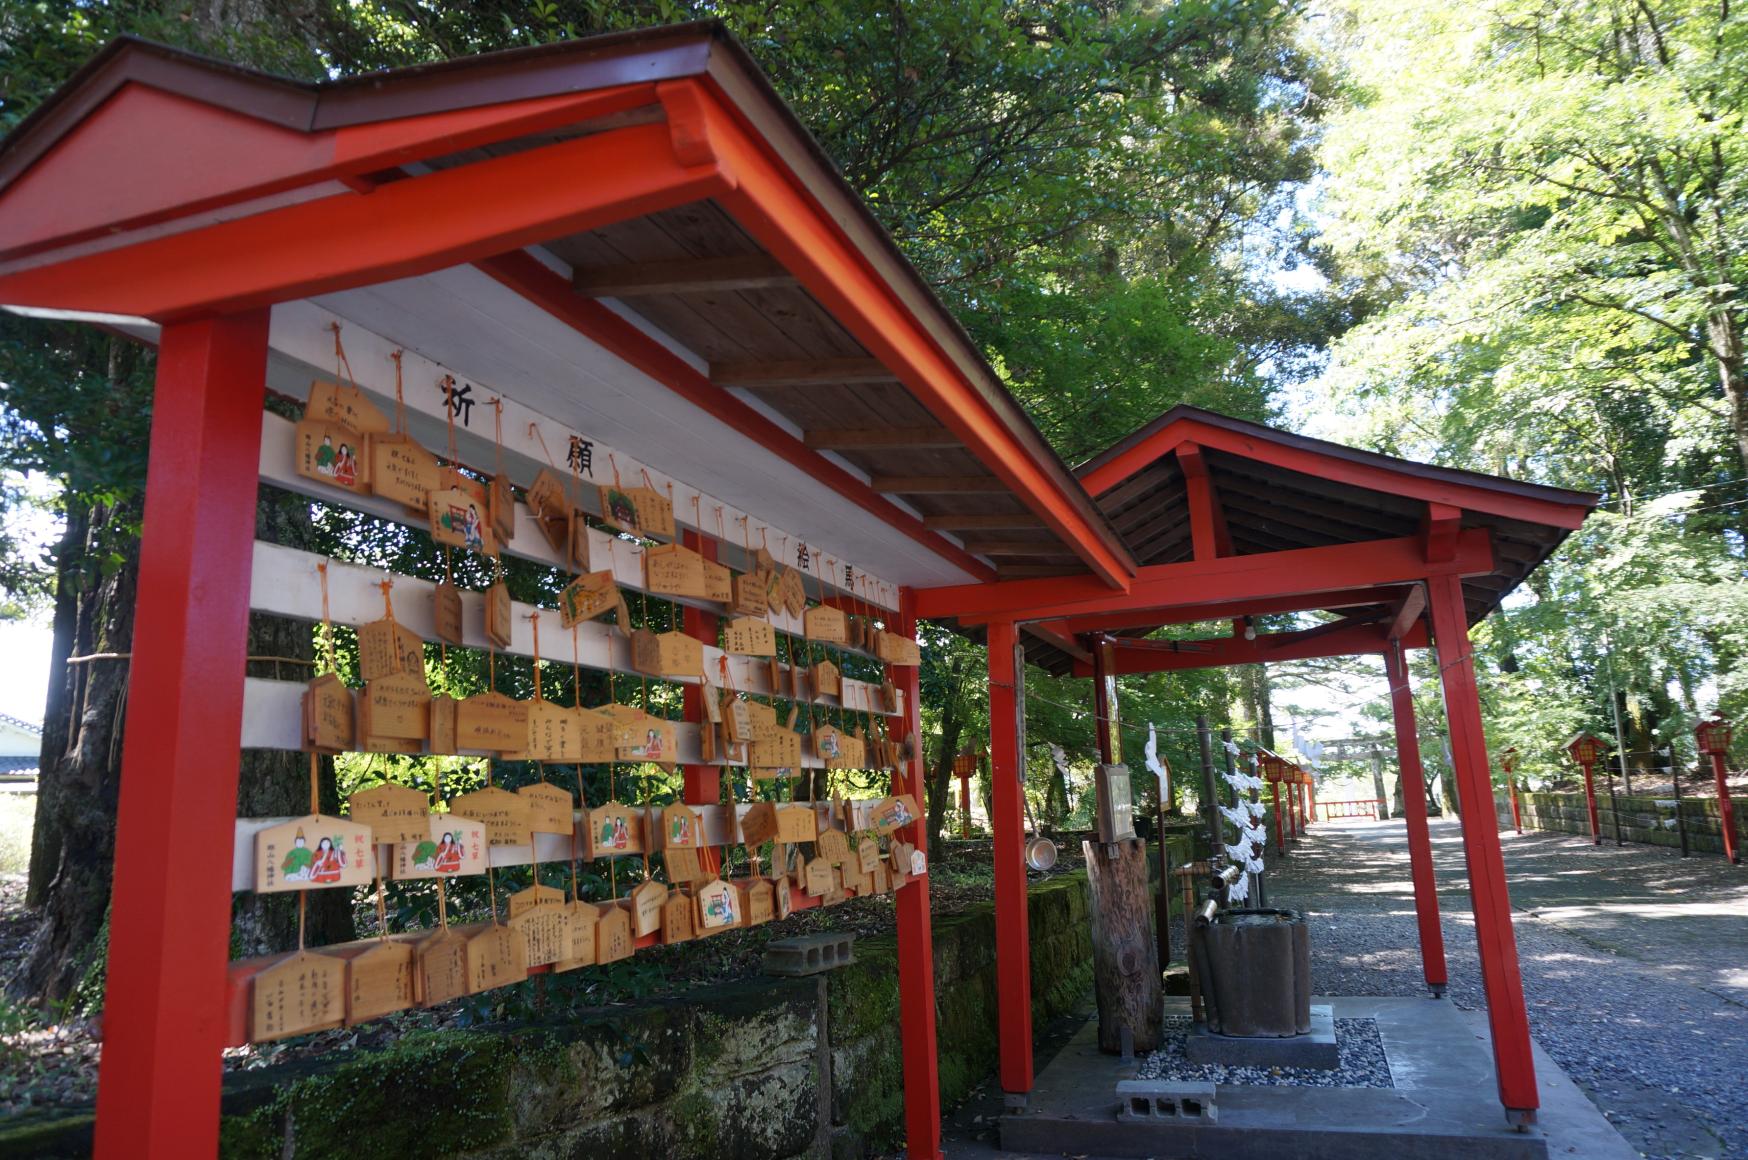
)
(1316, 1048)
(1443, 1105)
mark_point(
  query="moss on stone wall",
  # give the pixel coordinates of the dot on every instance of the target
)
(727, 1073)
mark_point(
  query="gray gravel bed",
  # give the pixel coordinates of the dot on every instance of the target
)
(1661, 1053)
(1363, 1063)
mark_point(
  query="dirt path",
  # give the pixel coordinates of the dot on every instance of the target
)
(1635, 963)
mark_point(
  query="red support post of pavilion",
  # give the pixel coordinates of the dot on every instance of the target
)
(916, 946)
(1013, 960)
(158, 1084)
(1501, 977)
(1426, 917)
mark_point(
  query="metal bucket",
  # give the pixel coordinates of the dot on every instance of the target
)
(1041, 854)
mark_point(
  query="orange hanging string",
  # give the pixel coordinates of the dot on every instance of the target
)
(534, 620)
(498, 434)
(613, 463)
(342, 365)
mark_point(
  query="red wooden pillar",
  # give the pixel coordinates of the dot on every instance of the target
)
(1726, 812)
(916, 943)
(1590, 803)
(1013, 958)
(164, 1018)
(1280, 823)
(965, 806)
(1506, 1016)
(703, 782)
(1432, 940)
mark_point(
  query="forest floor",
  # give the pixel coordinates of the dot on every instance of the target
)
(1632, 963)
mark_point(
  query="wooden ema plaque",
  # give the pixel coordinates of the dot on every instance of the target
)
(495, 957)
(311, 853)
(718, 582)
(678, 921)
(919, 863)
(750, 636)
(545, 932)
(379, 980)
(549, 808)
(757, 900)
(537, 895)
(446, 612)
(646, 907)
(303, 992)
(826, 680)
(442, 740)
(793, 593)
(898, 650)
(856, 883)
(578, 552)
(828, 746)
(335, 402)
(797, 823)
(656, 741)
(833, 848)
(500, 612)
(456, 519)
(819, 878)
(613, 937)
(737, 719)
(642, 511)
(332, 454)
(386, 647)
(491, 722)
(403, 471)
(783, 896)
(584, 923)
(452, 845)
(328, 725)
(762, 721)
(588, 596)
(597, 735)
(503, 509)
(719, 906)
(867, 855)
(441, 959)
(750, 595)
(759, 824)
(890, 813)
(397, 706)
(393, 813)
(554, 733)
(882, 877)
(504, 814)
(825, 624)
(612, 830)
(551, 509)
(780, 756)
(681, 827)
(667, 654)
(674, 570)
(685, 866)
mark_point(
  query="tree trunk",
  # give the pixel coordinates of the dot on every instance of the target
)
(1725, 339)
(939, 782)
(74, 839)
(1126, 972)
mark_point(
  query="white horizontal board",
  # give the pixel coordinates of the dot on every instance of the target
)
(287, 582)
(551, 848)
(533, 440)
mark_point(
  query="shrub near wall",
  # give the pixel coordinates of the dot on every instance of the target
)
(1642, 819)
(766, 1067)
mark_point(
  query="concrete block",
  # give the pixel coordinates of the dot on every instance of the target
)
(808, 954)
(1316, 1049)
(1159, 1101)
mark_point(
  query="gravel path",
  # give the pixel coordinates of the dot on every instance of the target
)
(1635, 963)
(1361, 1049)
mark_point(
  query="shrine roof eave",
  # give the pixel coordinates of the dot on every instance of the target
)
(933, 439)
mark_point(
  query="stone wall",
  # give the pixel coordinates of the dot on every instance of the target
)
(1643, 819)
(766, 1067)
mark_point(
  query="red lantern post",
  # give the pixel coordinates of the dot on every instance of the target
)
(1310, 791)
(1273, 768)
(1508, 762)
(964, 765)
(1585, 749)
(1295, 803)
(1713, 735)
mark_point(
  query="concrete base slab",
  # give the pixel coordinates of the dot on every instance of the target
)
(1444, 1104)
(1316, 1048)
